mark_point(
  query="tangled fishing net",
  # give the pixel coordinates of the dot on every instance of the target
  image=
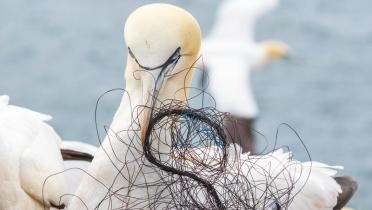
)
(186, 162)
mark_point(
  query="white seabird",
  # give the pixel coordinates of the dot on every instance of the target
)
(33, 160)
(164, 43)
(230, 53)
(29, 154)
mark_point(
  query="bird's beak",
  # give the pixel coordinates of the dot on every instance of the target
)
(150, 94)
(275, 50)
(153, 79)
(151, 86)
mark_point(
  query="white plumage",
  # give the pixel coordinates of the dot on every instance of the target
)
(124, 178)
(76, 169)
(273, 178)
(29, 154)
(79, 146)
(236, 19)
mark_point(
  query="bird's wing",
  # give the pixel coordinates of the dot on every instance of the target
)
(37, 115)
(35, 151)
(253, 8)
(312, 185)
(274, 177)
(229, 83)
(326, 169)
(74, 150)
(12, 143)
(4, 100)
(77, 158)
(319, 189)
(237, 18)
(261, 7)
(41, 166)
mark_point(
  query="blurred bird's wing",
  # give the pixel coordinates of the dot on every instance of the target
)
(253, 8)
(4, 100)
(237, 18)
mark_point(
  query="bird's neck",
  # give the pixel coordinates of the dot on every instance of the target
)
(119, 163)
(101, 178)
(109, 168)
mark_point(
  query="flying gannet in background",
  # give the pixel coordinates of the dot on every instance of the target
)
(163, 42)
(230, 53)
(31, 160)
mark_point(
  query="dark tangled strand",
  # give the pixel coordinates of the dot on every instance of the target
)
(187, 151)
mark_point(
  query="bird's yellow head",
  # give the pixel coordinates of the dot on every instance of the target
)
(163, 42)
(275, 50)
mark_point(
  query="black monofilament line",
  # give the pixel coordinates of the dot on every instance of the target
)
(199, 171)
(151, 158)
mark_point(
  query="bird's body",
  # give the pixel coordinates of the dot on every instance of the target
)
(164, 42)
(229, 63)
(77, 158)
(270, 180)
(99, 189)
(29, 154)
(230, 54)
(231, 90)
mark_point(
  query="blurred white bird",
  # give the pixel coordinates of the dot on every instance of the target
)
(29, 154)
(230, 52)
(159, 65)
(31, 160)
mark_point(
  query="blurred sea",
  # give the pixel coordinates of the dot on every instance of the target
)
(58, 57)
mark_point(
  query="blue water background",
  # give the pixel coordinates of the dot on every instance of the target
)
(58, 57)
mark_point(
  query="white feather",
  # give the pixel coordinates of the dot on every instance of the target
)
(230, 53)
(4, 100)
(120, 168)
(236, 19)
(79, 146)
(76, 169)
(29, 153)
(313, 185)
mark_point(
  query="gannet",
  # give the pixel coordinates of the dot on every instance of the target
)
(29, 155)
(230, 53)
(34, 162)
(163, 42)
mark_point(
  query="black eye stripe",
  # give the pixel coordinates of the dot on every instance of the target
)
(174, 57)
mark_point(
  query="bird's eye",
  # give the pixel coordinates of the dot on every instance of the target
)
(173, 59)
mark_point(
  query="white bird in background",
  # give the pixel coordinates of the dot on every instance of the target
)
(31, 160)
(230, 53)
(164, 42)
